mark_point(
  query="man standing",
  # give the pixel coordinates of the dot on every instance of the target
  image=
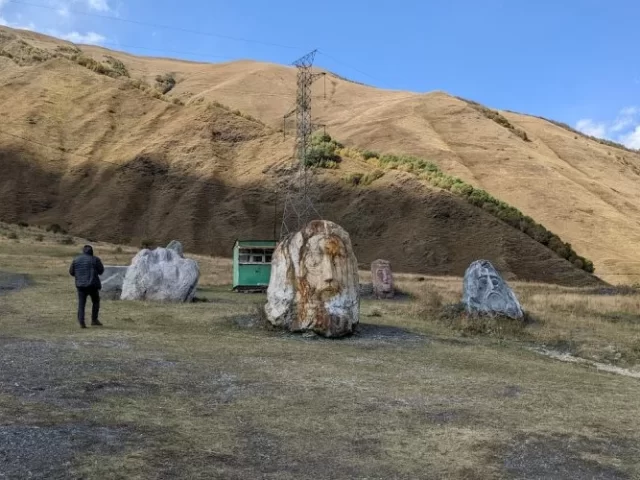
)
(86, 269)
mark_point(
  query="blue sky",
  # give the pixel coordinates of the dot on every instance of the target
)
(571, 60)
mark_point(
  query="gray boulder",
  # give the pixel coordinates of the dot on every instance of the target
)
(177, 247)
(160, 275)
(486, 293)
(112, 279)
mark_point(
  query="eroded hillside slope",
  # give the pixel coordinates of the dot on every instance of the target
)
(111, 159)
(586, 191)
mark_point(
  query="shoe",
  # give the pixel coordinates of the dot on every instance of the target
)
(96, 324)
(82, 325)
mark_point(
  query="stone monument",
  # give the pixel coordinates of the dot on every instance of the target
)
(160, 275)
(486, 293)
(382, 279)
(314, 282)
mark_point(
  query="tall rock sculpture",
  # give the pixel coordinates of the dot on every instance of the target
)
(314, 282)
(382, 279)
(485, 292)
(160, 275)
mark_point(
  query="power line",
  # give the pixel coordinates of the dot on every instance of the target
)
(178, 52)
(186, 30)
(154, 25)
(350, 66)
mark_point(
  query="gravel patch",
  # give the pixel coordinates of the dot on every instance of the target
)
(48, 452)
(62, 375)
(562, 458)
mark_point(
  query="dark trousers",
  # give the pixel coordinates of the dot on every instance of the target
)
(83, 293)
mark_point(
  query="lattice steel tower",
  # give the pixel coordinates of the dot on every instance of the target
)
(298, 206)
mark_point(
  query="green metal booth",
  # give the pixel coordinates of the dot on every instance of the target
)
(252, 264)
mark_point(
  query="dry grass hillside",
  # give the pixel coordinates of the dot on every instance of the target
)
(127, 148)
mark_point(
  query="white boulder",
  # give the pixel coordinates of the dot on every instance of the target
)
(160, 275)
(177, 247)
(314, 282)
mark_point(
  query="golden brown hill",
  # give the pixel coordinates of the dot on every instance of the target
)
(203, 174)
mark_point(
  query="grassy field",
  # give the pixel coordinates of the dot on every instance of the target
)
(199, 391)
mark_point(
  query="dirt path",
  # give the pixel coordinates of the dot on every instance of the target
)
(566, 357)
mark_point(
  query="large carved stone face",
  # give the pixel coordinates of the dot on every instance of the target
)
(491, 288)
(323, 263)
(485, 291)
(314, 282)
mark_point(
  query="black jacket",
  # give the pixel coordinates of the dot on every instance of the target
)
(86, 268)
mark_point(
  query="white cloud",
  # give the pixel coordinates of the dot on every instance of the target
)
(632, 140)
(92, 38)
(55, 25)
(5, 23)
(624, 129)
(630, 111)
(99, 5)
(590, 127)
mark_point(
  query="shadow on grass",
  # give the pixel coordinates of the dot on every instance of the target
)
(12, 282)
(364, 332)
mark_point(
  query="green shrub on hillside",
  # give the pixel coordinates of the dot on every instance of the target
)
(323, 152)
(364, 179)
(354, 178)
(512, 216)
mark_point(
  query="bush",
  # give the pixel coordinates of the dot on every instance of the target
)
(118, 250)
(94, 66)
(215, 103)
(23, 224)
(165, 83)
(367, 154)
(354, 178)
(55, 228)
(371, 177)
(39, 237)
(12, 236)
(322, 153)
(147, 243)
(117, 67)
(66, 241)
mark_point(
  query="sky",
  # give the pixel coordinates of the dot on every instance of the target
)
(575, 61)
